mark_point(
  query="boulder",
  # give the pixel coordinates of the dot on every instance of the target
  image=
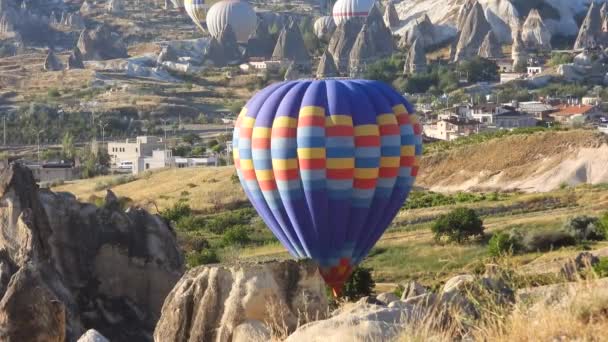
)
(590, 34)
(75, 61)
(341, 43)
(391, 17)
(556, 294)
(387, 297)
(92, 336)
(290, 46)
(327, 66)
(474, 30)
(209, 303)
(413, 289)
(458, 283)
(251, 331)
(260, 44)
(490, 47)
(101, 44)
(535, 35)
(74, 266)
(51, 62)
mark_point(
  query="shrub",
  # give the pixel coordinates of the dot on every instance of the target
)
(360, 284)
(177, 212)
(584, 228)
(205, 257)
(189, 223)
(603, 225)
(601, 268)
(459, 226)
(546, 240)
(503, 243)
(238, 235)
(219, 223)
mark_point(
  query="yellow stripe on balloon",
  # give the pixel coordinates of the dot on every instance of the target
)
(243, 112)
(247, 122)
(246, 164)
(261, 132)
(408, 151)
(390, 161)
(386, 119)
(370, 173)
(363, 130)
(285, 121)
(284, 164)
(312, 111)
(400, 109)
(340, 163)
(264, 175)
(339, 120)
(311, 153)
(235, 153)
(413, 119)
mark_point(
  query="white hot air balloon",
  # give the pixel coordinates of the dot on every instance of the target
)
(177, 4)
(238, 14)
(349, 9)
(324, 27)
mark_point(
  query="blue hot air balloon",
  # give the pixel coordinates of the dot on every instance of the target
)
(327, 164)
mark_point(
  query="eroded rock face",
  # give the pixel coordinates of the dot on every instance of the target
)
(74, 266)
(490, 47)
(422, 30)
(52, 63)
(590, 34)
(373, 42)
(290, 46)
(341, 43)
(327, 66)
(209, 303)
(101, 44)
(535, 34)
(224, 50)
(415, 61)
(260, 43)
(475, 28)
(391, 17)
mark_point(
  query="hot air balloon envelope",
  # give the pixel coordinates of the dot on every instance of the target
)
(238, 14)
(349, 9)
(328, 164)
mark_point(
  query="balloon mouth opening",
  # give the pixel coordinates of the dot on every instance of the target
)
(336, 277)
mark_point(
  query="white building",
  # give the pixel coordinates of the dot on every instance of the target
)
(131, 150)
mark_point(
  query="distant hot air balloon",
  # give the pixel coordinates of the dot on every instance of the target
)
(197, 10)
(324, 27)
(238, 14)
(328, 164)
(348, 9)
(178, 4)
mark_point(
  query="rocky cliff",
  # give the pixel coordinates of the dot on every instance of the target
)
(290, 46)
(490, 47)
(101, 43)
(474, 29)
(535, 34)
(341, 43)
(66, 267)
(590, 34)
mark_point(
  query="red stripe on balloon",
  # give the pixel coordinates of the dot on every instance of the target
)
(317, 121)
(340, 173)
(389, 130)
(268, 185)
(284, 132)
(245, 133)
(340, 131)
(417, 129)
(403, 119)
(248, 174)
(415, 171)
(260, 143)
(388, 172)
(286, 174)
(365, 183)
(407, 161)
(312, 164)
(368, 140)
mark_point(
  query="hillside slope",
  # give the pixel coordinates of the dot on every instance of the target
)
(538, 162)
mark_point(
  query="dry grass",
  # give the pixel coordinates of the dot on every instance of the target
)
(206, 189)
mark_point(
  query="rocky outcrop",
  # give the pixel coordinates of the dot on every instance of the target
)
(342, 42)
(391, 17)
(115, 7)
(374, 41)
(215, 303)
(422, 30)
(535, 35)
(490, 47)
(52, 63)
(327, 66)
(75, 61)
(86, 7)
(92, 336)
(7, 26)
(474, 30)
(74, 21)
(167, 54)
(290, 46)
(224, 50)
(292, 73)
(324, 28)
(101, 44)
(463, 14)
(518, 51)
(66, 267)
(415, 61)
(260, 44)
(590, 34)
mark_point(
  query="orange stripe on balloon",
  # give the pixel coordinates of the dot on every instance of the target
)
(248, 174)
(284, 132)
(286, 174)
(260, 143)
(245, 133)
(268, 185)
(311, 121)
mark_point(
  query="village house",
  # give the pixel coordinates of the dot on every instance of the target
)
(451, 128)
(570, 114)
(540, 110)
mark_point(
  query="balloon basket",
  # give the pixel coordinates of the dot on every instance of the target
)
(335, 277)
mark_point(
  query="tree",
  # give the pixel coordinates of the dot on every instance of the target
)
(68, 150)
(191, 138)
(458, 226)
(386, 70)
(360, 284)
(479, 69)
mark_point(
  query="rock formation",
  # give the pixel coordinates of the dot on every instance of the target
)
(75, 60)
(86, 7)
(115, 7)
(290, 46)
(474, 30)
(92, 336)
(292, 73)
(225, 50)
(490, 47)
(342, 42)
(51, 62)
(535, 35)
(7, 26)
(324, 28)
(518, 51)
(463, 14)
(391, 18)
(327, 66)
(415, 61)
(421, 30)
(167, 54)
(66, 266)
(374, 41)
(214, 303)
(74, 21)
(590, 34)
(260, 44)
(101, 44)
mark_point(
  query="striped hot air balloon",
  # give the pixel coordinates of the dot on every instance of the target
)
(197, 10)
(350, 9)
(328, 164)
(236, 13)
